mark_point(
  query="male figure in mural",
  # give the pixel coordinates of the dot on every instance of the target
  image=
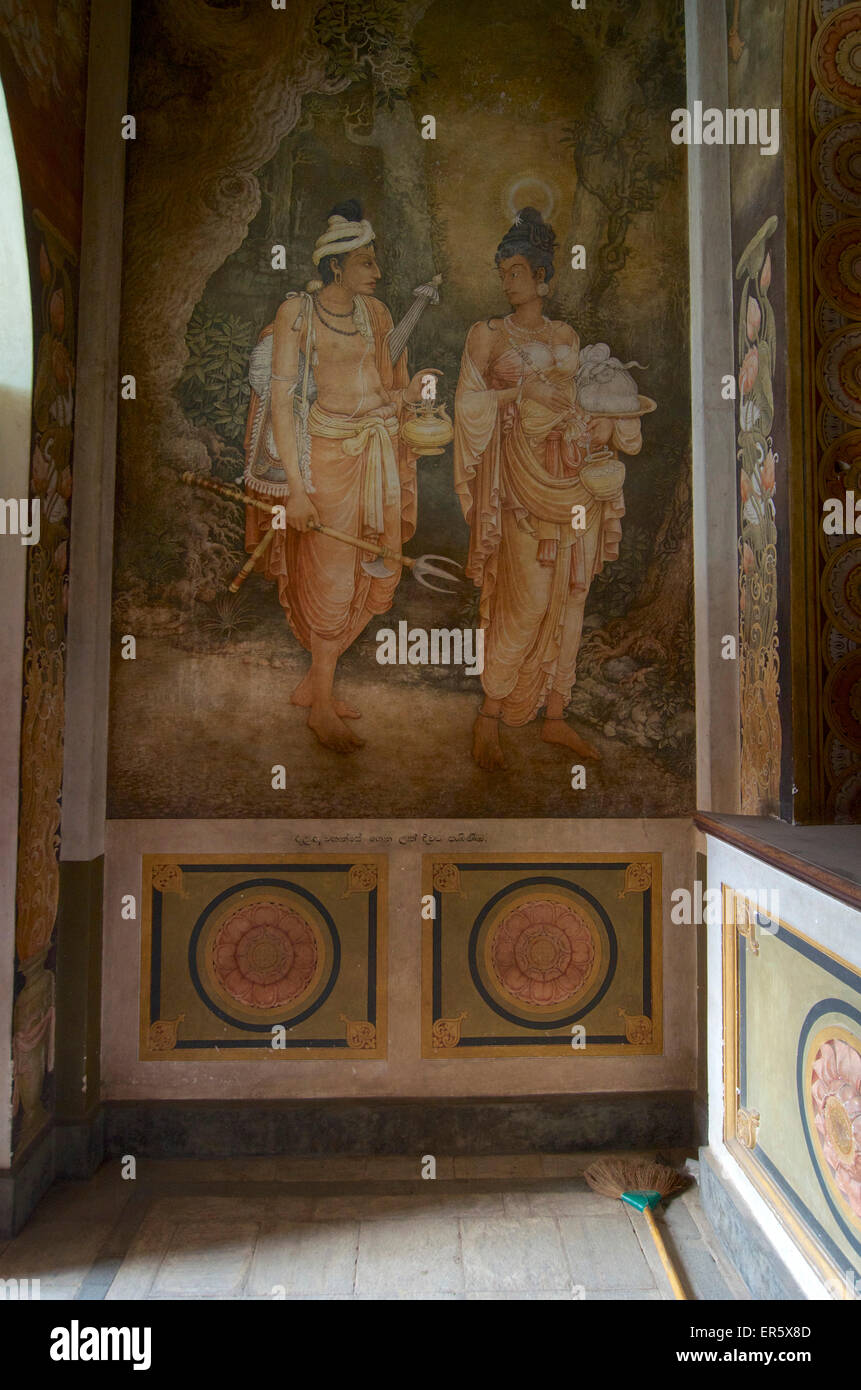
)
(335, 405)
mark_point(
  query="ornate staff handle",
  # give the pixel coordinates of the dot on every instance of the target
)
(260, 549)
(234, 495)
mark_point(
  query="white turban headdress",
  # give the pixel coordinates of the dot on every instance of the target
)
(341, 237)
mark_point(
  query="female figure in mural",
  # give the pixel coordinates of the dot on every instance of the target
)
(537, 533)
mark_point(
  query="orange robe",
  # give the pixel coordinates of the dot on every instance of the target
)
(364, 483)
(517, 476)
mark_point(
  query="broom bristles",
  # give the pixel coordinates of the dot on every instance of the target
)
(612, 1177)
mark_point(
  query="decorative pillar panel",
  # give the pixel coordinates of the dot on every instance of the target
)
(823, 60)
(43, 65)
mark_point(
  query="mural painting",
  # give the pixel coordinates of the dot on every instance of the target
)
(264, 958)
(404, 480)
(542, 955)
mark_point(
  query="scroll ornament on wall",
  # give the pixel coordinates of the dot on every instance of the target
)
(164, 1033)
(638, 1028)
(638, 877)
(747, 1127)
(759, 660)
(362, 878)
(360, 1034)
(446, 1031)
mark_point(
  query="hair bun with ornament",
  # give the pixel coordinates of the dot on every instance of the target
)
(541, 234)
(531, 237)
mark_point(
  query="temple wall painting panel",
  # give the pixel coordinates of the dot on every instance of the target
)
(792, 1082)
(542, 955)
(543, 936)
(270, 958)
(795, 230)
(562, 112)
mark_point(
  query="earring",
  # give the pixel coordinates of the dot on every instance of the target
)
(543, 288)
(338, 276)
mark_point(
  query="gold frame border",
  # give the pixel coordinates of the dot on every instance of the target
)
(654, 1048)
(270, 1055)
(802, 1237)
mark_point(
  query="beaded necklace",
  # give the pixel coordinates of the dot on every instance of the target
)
(344, 332)
(335, 315)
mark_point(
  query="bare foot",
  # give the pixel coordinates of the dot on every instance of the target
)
(302, 697)
(331, 732)
(485, 743)
(557, 731)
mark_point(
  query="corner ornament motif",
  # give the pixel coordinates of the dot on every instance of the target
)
(163, 1034)
(446, 1032)
(638, 1028)
(361, 1035)
(361, 878)
(638, 877)
(446, 877)
(167, 878)
(745, 920)
(747, 1127)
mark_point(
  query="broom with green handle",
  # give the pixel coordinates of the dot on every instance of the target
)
(642, 1186)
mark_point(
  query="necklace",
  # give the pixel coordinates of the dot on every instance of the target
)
(332, 311)
(528, 336)
(344, 332)
(528, 333)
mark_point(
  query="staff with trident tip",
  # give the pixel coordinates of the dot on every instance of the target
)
(420, 567)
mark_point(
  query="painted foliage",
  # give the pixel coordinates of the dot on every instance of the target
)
(230, 185)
